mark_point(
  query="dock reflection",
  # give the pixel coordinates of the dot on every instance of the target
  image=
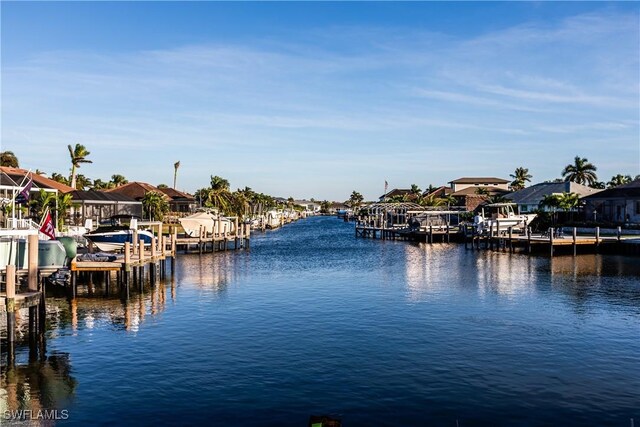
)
(97, 307)
(431, 270)
(43, 384)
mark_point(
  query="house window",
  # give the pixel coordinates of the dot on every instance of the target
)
(525, 208)
(638, 207)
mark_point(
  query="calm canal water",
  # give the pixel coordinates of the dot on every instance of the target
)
(312, 320)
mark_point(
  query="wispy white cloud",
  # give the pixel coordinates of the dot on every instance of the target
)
(355, 92)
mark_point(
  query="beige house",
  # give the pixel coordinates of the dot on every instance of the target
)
(471, 192)
(488, 183)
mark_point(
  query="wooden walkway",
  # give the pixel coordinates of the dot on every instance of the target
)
(508, 239)
(428, 235)
(549, 242)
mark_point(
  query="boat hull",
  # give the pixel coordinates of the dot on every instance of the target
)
(207, 223)
(115, 240)
(505, 223)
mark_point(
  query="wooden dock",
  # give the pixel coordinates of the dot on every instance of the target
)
(507, 240)
(432, 234)
(138, 263)
(550, 242)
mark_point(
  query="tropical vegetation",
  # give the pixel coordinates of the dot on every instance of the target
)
(520, 177)
(581, 172)
(155, 205)
(355, 200)
(619, 180)
(78, 156)
(7, 158)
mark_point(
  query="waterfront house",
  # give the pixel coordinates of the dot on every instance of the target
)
(471, 192)
(16, 177)
(440, 192)
(309, 207)
(528, 199)
(395, 193)
(137, 190)
(14, 180)
(620, 204)
(180, 202)
(99, 205)
(488, 183)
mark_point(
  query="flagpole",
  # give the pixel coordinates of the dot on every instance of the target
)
(44, 215)
(13, 201)
(24, 178)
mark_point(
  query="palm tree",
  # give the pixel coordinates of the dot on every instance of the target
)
(581, 172)
(82, 182)
(398, 198)
(99, 184)
(42, 201)
(59, 178)
(549, 201)
(118, 180)
(619, 180)
(568, 201)
(552, 202)
(433, 201)
(176, 165)
(78, 156)
(64, 204)
(219, 196)
(155, 205)
(520, 177)
(481, 191)
(239, 203)
(7, 158)
(219, 183)
(202, 196)
(355, 200)
(430, 189)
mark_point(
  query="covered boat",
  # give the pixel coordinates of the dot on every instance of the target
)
(192, 224)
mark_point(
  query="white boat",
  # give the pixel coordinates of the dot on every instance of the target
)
(112, 236)
(209, 222)
(273, 219)
(501, 216)
(192, 224)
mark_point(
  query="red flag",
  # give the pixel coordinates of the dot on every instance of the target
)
(47, 227)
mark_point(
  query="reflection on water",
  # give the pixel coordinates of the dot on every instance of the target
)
(39, 385)
(97, 308)
(213, 276)
(614, 279)
(321, 322)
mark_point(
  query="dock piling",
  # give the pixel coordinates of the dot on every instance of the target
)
(11, 312)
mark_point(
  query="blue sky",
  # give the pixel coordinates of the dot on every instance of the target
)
(320, 99)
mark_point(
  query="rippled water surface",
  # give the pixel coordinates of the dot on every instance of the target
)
(312, 320)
